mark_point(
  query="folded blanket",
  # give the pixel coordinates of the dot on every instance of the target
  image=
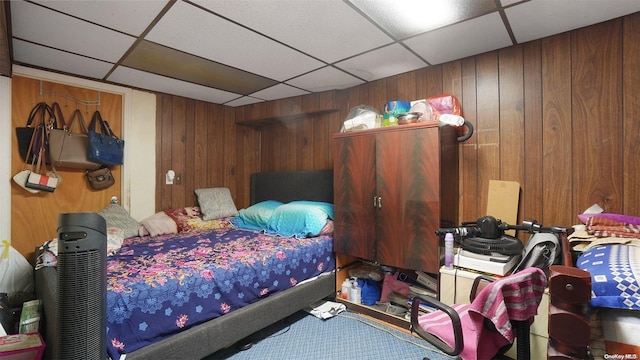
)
(608, 227)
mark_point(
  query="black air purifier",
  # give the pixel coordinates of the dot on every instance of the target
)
(82, 287)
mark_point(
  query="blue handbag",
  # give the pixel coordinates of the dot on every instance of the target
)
(104, 146)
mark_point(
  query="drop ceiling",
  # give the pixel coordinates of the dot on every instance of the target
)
(238, 52)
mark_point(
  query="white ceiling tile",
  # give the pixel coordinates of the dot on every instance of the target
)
(145, 80)
(472, 37)
(36, 24)
(279, 91)
(541, 18)
(131, 17)
(506, 3)
(380, 63)
(245, 100)
(190, 29)
(329, 30)
(327, 78)
(45, 57)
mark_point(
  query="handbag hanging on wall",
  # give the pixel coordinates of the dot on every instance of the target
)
(100, 179)
(32, 179)
(40, 117)
(68, 149)
(104, 146)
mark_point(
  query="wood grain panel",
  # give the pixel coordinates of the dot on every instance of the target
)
(530, 207)
(556, 139)
(511, 92)
(469, 182)
(178, 148)
(631, 114)
(406, 84)
(354, 189)
(429, 82)
(596, 54)
(488, 124)
(34, 217)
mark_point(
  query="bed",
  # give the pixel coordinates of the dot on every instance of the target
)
(301, 273)
(607, 248)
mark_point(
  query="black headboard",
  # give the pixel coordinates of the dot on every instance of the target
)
(286, 186)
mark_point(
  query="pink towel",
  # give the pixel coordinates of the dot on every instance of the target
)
(513, 297)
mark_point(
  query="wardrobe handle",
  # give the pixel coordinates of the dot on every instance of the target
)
(379, 202)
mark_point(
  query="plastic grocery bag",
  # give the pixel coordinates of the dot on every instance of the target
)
(16, 274)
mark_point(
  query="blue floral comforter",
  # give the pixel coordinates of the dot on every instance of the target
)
(158, 286)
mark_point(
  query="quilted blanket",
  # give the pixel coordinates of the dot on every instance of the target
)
(158, 286)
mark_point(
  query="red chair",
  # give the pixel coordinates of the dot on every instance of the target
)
(487, 327)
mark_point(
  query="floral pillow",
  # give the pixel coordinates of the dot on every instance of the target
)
(190, 219)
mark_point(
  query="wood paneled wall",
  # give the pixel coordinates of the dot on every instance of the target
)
(34, 217)
(559, 115)
(202, 144)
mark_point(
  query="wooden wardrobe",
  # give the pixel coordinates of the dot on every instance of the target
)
(394, 187)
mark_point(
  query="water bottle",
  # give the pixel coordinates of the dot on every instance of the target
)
(448, 251)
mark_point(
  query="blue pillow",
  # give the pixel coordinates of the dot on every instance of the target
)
(300, 218)
(256, 216)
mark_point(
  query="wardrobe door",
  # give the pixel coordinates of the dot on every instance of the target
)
(354, 192)
(408, 187)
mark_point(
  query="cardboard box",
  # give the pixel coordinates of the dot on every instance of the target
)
(28, 346)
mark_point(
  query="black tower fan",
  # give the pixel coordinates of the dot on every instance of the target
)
(82, 287)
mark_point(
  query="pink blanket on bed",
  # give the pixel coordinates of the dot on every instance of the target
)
(515, 297)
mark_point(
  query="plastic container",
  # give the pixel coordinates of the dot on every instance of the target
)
(356, 292)
(448, 251)
(346, 288)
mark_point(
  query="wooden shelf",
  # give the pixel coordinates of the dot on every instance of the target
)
(269, 112)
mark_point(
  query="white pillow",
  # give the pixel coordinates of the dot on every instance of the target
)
(216, 203)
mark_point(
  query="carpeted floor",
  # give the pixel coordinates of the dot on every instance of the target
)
(345, 336)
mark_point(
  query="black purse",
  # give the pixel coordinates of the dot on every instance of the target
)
(36, 127)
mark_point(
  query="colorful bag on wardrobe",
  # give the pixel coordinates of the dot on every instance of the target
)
(104, 146)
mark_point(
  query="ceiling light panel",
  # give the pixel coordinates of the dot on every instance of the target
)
(188, 28)
(67, 33)
(404, 18)
(329, 30)
(458, 41)
(165, 61)
(131, 17)
(145, 80)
